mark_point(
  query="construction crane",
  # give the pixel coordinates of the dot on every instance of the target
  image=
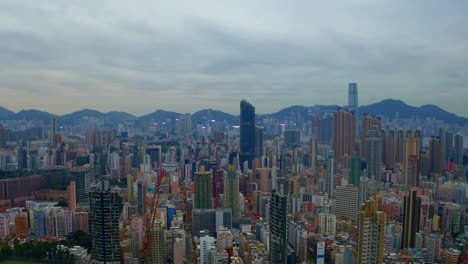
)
(146, 251)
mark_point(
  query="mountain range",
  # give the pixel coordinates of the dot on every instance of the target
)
(388, 108)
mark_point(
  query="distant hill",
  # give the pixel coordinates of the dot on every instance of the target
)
(389, 108)
(32, 114)
(158, 116)
(5, 113)
(205, 115)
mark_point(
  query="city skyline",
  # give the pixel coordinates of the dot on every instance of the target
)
(61, 57)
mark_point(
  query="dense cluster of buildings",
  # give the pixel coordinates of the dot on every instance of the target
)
(344, 187)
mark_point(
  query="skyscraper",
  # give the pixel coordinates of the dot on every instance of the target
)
(368, 122)
(157, 244)
(458, 147)
(371, 234)
(355, 171)
(202, 196)
(247, 133)
(374, 155)
(347, 202)
(353, 104)
(231, 191)
(105, 206)
(411, 211)
(344, 136)
(388, 148)
(278, 228)
(53, 130)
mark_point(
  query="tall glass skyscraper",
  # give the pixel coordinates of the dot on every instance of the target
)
(104, 211)
(247, 133)
(353, 104)
(278, 228)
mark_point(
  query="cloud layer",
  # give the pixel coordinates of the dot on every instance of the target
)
(62, 56)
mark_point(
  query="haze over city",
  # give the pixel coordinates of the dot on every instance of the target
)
(62, 56)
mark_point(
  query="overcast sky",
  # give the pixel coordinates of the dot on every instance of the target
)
(138, 56)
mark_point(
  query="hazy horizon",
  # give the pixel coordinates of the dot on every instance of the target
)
(60, 56)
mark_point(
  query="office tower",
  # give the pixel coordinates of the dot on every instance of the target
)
(325, 130)
(458, 148)
(259, 133)
(411, 212)
(292, 138)
(53, 131)
(374, 155)
(347, 202)
(104, 211)
(371, 234)
(435, 156)
(247, 133)
(400, 145)
(368, 122)
(231, 191)
(188, 124)
(278, 228)
(3, 137)
(344, 136)
(353, 104)
(202, 195)
(82, 178)
(388, 148)
(72, 196)
(22, 159)
(155, 155)
(157, 244)
(355, 171)
(210, 219)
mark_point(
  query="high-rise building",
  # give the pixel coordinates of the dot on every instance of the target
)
(259, 134)
(458, 147)
(327, 224)
(388, 148)
(355, 171)
(435, 156)
(347, 202)
(344, 136)
(72, 196)
(374, 155)
(157, 244)
(247, 133)
(368, 122)
(82, 177)
(3, 137)
(371, 234)
(278, 228)
(210, 219)
(188, 124)
(21, 225)
(202, 195)
(411, 213)
(53, 131)
(231, 191)
(353, 104)
(325, 130)
(105, 206)
(206, 242)
(4, 225)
